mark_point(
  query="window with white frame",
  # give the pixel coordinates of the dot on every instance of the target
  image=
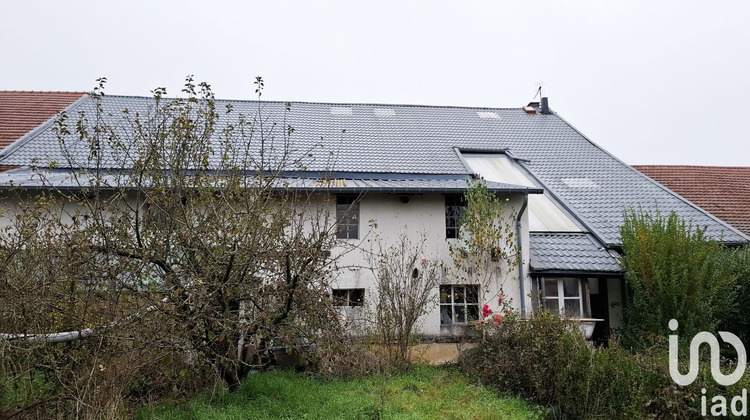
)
(459, 304)
(347, 215)
(563, 296)
(348, 297)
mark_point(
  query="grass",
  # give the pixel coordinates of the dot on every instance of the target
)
(423, 393)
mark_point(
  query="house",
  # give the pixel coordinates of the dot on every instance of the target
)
(406, 167)
(723, 191)
(23, 111)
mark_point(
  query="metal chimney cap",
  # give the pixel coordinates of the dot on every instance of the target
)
(545, 106)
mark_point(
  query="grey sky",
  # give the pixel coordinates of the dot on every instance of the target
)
(654, 82)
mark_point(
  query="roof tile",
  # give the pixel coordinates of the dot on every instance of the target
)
(22, 111)
(723, 191)
(572, 252)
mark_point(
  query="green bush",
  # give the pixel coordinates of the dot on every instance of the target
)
(673, 272)
(545, 360)
(737, 262)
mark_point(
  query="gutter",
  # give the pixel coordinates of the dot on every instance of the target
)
(519, 237)
(575, 273)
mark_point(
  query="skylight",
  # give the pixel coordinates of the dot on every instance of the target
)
(545, 215)
(488, 114)
(341, 110)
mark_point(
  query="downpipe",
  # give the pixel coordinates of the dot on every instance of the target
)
(519, 238)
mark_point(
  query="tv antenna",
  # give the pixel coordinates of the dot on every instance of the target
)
(538, 91)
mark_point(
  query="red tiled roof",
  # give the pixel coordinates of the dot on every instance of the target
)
(721, 190)
(22, 111)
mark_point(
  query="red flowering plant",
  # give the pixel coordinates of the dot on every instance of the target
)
(492, 319)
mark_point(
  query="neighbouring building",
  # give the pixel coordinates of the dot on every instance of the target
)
(23, 111)
(723, 191)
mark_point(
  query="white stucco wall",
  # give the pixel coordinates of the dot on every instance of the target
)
(422, 214)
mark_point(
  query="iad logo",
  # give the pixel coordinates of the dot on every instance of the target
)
(707, 338)
(719, 408)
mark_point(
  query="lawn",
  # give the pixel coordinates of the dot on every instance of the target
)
(423, 393)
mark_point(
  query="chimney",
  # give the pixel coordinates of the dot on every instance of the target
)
(545, 106)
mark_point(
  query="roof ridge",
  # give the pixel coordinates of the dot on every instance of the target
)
(325, 103)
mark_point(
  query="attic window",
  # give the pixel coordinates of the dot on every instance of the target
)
(488, 114)
(580, 183)
(384, 112)
(341, 110)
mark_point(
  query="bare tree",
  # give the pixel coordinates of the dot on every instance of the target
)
(177, 232)
(406, 280)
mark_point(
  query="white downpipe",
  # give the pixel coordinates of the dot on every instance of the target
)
(51, 338)
(64, 337)
(519, 237)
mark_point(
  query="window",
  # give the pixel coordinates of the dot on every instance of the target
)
(348, 297)
(563, 296)
(459, 304)
(154, 214)
(454, 207)
(347, 215)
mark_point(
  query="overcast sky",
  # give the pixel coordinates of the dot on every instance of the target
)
(653, 82)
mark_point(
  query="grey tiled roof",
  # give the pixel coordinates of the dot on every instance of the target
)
(404, 139)
(569, 252)
(65, 179)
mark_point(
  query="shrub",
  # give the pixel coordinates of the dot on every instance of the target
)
(737, 262)
(545, 359)
(673, 272)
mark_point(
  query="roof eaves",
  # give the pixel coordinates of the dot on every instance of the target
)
(373, 175)
(408, 190)
(558, 272)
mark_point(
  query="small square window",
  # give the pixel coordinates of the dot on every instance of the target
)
(348, 297)
(459, 304)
